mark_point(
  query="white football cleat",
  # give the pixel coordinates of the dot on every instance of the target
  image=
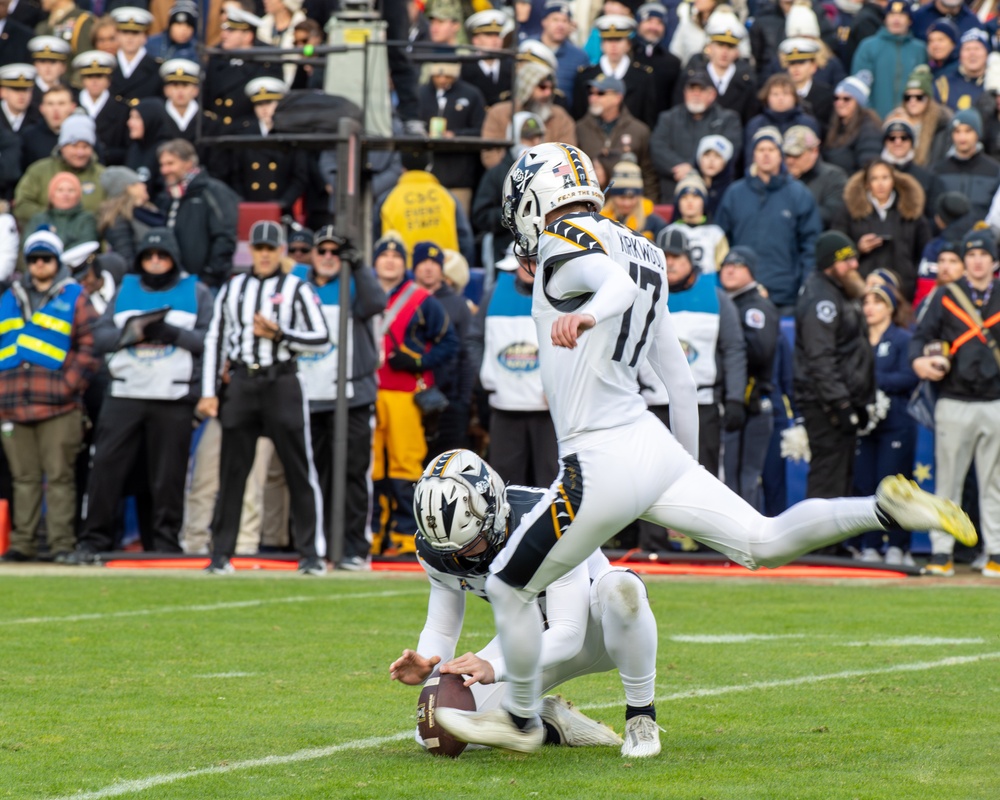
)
(913, 509)
(494, 728)
(575, 728)
(642, 737)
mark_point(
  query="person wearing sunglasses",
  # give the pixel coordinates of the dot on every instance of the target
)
(854, 134)
(319, 375)
(898, 150)
(47, 358)
(928, 118)
(300, 246)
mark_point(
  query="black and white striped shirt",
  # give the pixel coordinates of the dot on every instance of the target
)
(283, 298)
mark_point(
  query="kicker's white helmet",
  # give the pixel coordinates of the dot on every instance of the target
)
(459, 502)
(543, 179)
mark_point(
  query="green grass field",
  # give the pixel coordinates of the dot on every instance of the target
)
(276, 686)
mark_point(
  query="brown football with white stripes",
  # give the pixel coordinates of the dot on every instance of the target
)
(442, 691)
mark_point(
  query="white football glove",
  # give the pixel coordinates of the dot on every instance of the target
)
(795, 443)
(877, 412)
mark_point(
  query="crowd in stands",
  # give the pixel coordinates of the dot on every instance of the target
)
(758, 144)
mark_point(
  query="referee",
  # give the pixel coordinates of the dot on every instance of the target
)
(261, 320)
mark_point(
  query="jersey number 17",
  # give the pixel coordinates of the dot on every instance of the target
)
(646, 278)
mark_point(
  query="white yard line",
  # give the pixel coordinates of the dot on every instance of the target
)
(146, 612)
(888, 641)
(141, 784)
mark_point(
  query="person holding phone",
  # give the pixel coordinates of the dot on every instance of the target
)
(884, 213)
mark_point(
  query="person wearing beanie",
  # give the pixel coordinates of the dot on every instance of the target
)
(784, 228)
(319, 375)
(967, 379)
(745, 449)
(890, 56)
(609, 131)
(854, 136)
(625, 201)
(898, 139)
(825, 182)
(942, 47)
(74, 154)
(127, 213)
(44, 371)
(708, 243)
(954, 11)
(65, 216)
(178, 39)
(714, 165)
(884, 214)
(966, 168)
(834, 377)
(155, 375)
(953, 218)
(417, 338)
(928, 118)
(961, 88)
(888, 445)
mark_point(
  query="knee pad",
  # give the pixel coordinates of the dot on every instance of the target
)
(620, 593)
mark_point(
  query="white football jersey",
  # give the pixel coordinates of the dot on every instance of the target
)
(595, 385)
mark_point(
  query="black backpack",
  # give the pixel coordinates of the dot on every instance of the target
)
(312, 111)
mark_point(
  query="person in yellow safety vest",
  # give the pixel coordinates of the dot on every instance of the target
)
(46, 360)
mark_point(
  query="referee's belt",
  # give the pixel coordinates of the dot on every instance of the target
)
(270, 371)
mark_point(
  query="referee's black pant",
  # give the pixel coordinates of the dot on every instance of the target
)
(268, 404)
(831, 468)
(124, 425)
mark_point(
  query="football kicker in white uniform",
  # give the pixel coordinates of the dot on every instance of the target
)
(597, 616)
(600, 306)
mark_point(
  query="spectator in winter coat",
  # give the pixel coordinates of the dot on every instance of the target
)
(65, 217)
(966, 168)
(781, 108)
(127, 214)
(824, 181)
(675, 138)
(854, 136)
(898, 137)
(884, 213)
(890, 55)
(927, 116)
(776, 215)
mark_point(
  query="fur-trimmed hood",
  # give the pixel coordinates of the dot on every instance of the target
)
(909, 196)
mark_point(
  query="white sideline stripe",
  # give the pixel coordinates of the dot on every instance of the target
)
(913, 641)
(897, 641)
(919, 666)
(734, 638)
(146, 612)
(225, 675)
(141, 784)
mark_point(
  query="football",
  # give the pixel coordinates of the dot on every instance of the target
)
(446, 691)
